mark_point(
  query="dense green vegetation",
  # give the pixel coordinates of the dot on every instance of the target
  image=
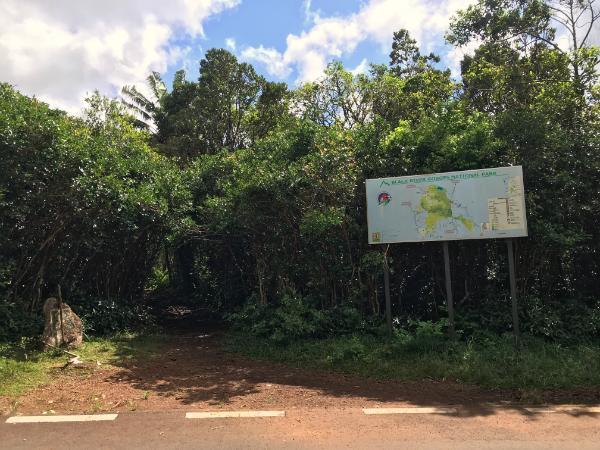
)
(240, 196)
(425, 353)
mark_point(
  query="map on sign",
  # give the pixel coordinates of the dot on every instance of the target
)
(473, 204)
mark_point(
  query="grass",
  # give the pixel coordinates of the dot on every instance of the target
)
(490, 362)
(22, 369)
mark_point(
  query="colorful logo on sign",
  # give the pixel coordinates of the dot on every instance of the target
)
(383, 198)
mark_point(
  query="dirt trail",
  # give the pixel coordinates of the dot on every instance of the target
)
(195, 373)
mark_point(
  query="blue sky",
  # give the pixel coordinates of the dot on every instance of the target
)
(62, 50)
(268, 23)
(272, 21)
(253, 25)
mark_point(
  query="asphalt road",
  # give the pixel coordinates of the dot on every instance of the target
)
(312, 429)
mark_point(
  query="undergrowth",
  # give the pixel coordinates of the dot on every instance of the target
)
(487, 361)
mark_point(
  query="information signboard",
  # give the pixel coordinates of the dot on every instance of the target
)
(472, 204)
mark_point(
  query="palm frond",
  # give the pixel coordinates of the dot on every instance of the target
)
(138, 98)
(136, 110)
(157, 85)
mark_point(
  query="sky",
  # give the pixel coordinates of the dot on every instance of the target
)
(62, 50)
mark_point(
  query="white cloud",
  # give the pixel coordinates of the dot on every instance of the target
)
(376, 20)
(564, 41)
(271, 58)
(309, 14)
(230, 44)
(455, 56)
(63, 49)
(362, 67)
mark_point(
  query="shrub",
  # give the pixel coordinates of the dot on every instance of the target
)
(16, 322)
(291, 319)
(105, 317)
(347, 319)
(562, 319)
(295, 317)
(420, 337)
(158, 279)
(352, 349)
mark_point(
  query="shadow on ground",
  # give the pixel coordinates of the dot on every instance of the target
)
(194, 371)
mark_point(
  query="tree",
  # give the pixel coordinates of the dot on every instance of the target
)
(525, 24)
(145, 110)
(424, 86)
(270, 111)
(338, 98)
(350, 101)
(226, 92)
(176, 123)
(87, 203)
(406, 59)
(576, 15)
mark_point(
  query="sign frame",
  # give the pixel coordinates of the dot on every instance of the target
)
(431, 179)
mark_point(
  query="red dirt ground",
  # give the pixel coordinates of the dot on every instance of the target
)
(195, 373)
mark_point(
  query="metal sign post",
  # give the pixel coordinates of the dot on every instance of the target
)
(449, 299)
(386, 288)
(513, 290)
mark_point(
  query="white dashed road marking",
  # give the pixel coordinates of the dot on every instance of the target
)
(565, 409)
(569, 409)
(374, 411)
(72, 418)
(221, 414)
